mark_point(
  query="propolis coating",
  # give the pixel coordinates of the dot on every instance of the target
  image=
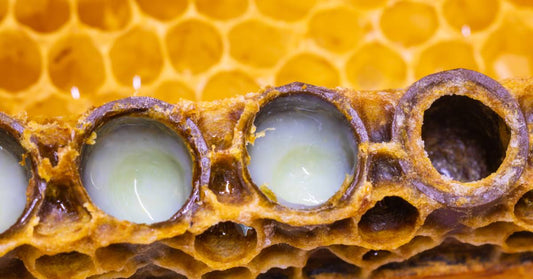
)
(381, 224)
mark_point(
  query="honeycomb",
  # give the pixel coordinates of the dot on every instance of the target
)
(440, 187)
(61, 57)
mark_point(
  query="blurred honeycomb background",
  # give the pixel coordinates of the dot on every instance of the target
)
(60, 57)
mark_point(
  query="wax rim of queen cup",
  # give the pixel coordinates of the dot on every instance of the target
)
(138, 170)
(304, 151)
(14, 179)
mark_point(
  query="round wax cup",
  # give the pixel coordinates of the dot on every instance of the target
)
(13, 182)
(138, 170)
(306, 153)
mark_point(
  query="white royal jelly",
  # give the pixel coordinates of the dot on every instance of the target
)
(13, 184)
(138, 170)
(306, 153)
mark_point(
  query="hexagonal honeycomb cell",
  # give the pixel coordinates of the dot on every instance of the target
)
(193, 46)
(137, 53)
(445, 55)
(285, 10)
(309, 67)
(409, 23)
(477, 15)
(163, 9)
(75, 61)
(43, 16)
(258, 44)
(346, 34)
(222, 10)
(104, 15)
(228, 84)
(20, 60)
(376, 66)
(212, 65)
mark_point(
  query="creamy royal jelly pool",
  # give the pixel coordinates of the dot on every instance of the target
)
(138, 170)
(306, 153)
(13, 182)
